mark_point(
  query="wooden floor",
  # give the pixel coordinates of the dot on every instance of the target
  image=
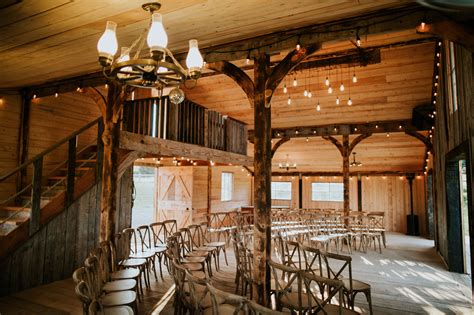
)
(407, 278)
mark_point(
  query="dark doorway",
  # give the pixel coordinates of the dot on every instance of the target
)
(457, 207)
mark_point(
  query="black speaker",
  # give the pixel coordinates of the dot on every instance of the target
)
(412, 225)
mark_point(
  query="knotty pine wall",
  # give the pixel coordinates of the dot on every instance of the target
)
(62, 245)
(390, 194)
(10, 111)
(241, 195)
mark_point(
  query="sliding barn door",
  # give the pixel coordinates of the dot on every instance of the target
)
(175, 186)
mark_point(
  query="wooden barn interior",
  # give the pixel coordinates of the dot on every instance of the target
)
(302, 153)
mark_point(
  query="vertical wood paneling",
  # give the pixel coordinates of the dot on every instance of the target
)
(62, 244)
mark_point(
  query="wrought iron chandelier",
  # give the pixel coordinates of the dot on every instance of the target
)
(160, 69)
(287, 165)
(354, 162)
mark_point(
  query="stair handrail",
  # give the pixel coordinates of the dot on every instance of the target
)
(51, 148)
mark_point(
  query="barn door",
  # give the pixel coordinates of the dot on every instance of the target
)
(175, 196)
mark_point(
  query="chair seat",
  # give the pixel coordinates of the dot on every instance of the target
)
(119, 298)
(125, 274)
(142, 255)
(223, 309)
(192, 266)
(215, 244)
(206, 248)
(356, 285)
(160, 249)
(119, 285)
(331, 309)
(118, 310)
(197, 253)
(133, 262)
(194, 259)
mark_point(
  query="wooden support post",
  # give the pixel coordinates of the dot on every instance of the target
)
(100, 151)
(262, 181)
(345, 171)
(71, 171)
(36, 196)
(110, 138)
(300, 191)
(359, 192)
(260, 92)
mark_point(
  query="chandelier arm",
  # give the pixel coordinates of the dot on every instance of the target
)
(140, 39)
(104, 72)
(131, 78)
(176, 63)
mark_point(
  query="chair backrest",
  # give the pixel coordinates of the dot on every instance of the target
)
(144, 235)
(185, 241)
(254, 308)
(319, 291)
(129, 239)
(178, 273)
(158, 229)
(283, 289)
(79, 275)
(376, 219)
(107, 258)
(312, 260)
(293, 254)
(219, 297)
(338, 266)
(94, 282)
(84, 295)
(171, 227)
(195, 237)
(198, 291)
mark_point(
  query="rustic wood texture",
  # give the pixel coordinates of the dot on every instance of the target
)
(241, 193)
(62, 244)
(86, 20)
(163, 147)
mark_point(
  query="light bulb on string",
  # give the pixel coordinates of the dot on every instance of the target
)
(326, 81)
(289, 100)
(337, 100)
(318, 107)
(285, 90)
(358, 42)
(330, 89)
(310, 94)
(341, 87)
(305, 93)
(349, 102)
(247, 61)
(295, 83)
(354, 78)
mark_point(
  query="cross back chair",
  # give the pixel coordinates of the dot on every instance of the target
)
(371, 235)
(287, 292)
(193, 256)
(158, 230)
(226, 303)
(218, 245)
(339, 267)
(377, 224)
(111, 268)
(137, 251)
(115, 298)
(171, 226)
(145, 234)
(320, 301)
(199, 295)
(96, 308)
(175, 244)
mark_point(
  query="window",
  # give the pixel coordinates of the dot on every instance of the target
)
(327, 192)
(281, 190)
(227, 186)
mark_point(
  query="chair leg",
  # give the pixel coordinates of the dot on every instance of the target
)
(384, 240)
(369, 300)
(225, 255)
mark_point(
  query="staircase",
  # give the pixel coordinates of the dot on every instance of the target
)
(25, 211)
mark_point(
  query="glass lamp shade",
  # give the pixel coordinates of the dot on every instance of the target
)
(157, 39)
(194, 59)
(108, 45)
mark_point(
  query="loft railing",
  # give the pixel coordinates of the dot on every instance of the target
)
(186, 122)
(35, 166)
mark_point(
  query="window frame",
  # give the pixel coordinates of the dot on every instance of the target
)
(290, 191)
(228, 194)
(329, 199)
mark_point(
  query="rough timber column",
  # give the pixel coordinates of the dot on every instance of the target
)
(345, 171)
(262, 182)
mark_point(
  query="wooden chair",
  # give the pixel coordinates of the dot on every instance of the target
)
(129, 238)
(95, 286)
(197, 240)
(120, 258)
(174, 252)
(109, 285)
(199, 296)
(146, 245)
(181, 301)
(111, 269)
(182, 246)
(191, 254)
(336, 265)
(254, 308)
(287, 292)
(158, 230)
(377, 224)
(96, 308)
(225, 303)
(370, 235)
(318, 301)
(218, 245)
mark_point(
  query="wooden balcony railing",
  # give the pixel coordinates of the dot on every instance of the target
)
(187, 122)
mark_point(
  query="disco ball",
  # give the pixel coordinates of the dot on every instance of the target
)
(176, 95)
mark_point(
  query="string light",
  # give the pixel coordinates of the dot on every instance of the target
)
(56, 94)
(247, 61)
(337, 100)
(318, 107)
(295, 83)
(326, 81)
(34, 96)
(289, 100)
(330, 89)
(106, 86)
(341, 87)
(298, 45)
(376, 126)
(358, 42)
(349, 102)
(307, 139)
(310, 94)
(285, 90)
(354, 78)
(388, 134)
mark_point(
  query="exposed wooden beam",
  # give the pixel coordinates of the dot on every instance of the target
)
(163, 147)
(339, 174)
(382, 21)
(290, 61)
(334, 141)
(278, 144)
(342, 129)
(450, 30)
(426, 141)
(236, 74)
(357, 140)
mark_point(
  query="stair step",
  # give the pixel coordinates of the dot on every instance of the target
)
(16, 220)
(84, 168)
(15, 208)
(6, 228)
